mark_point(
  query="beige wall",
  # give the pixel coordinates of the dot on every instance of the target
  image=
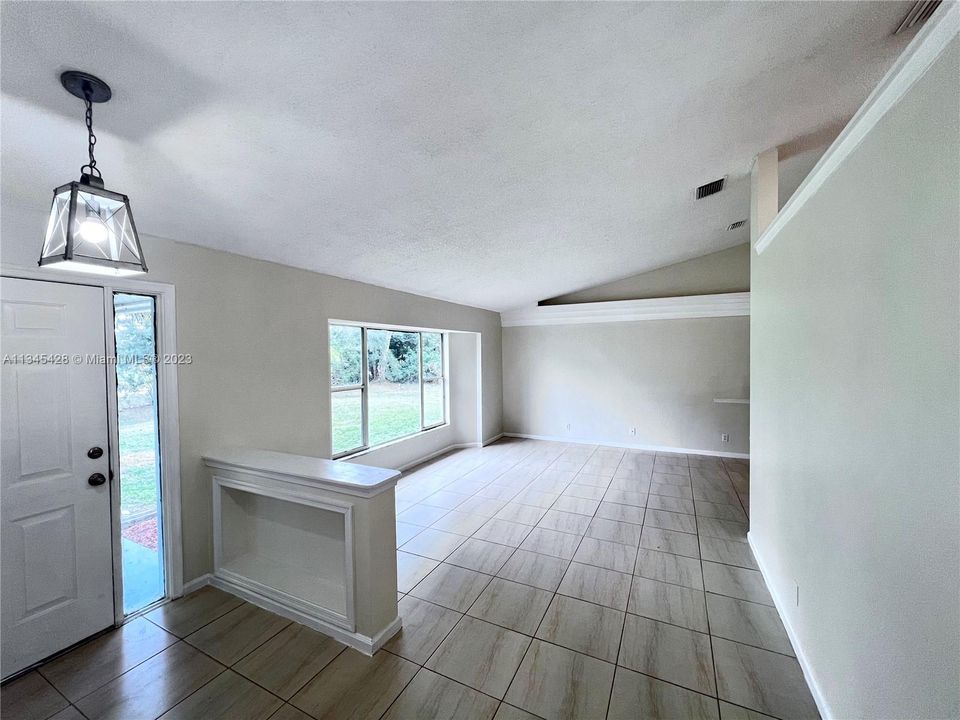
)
(658, 376)
(257, 332)
(855, 480)
(719, 272)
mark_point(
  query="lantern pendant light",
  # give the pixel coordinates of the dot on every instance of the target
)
(91, 229)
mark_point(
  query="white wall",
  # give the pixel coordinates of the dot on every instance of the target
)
(659, 376)
(257, 332)
(855, 481)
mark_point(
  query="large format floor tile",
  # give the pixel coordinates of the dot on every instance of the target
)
(671, 521)
(668, 603)
(411, 569)
(606, 554)
(481, 655)
(748, 623)
(511, 605)
(434, 544)
(530, 568)
(452, 587)
(616, 531)
(579, 505)
(762, 680)
(670, 541)
(191, 612)
(433, 696)
(240, 631)
(460, 523)
(523, 514)
(670, 504)
(623, 513)
(720, 511)
(153, 687)
(229, 696)
(605, 598)
(725, 529)
(30, 697)
(94, 664)
(729, 711)
(561, 521)
(735, 582)
(480, 555)
(640, 696)
(405, 531)
(729, 552)
(668, 652)
(289, 659)
(670, 568)
(551, 542)
(597, 585)
(503, 532)
(355, 687)
(557, 683)
(424, 515)
(425, 625)
(582, 626)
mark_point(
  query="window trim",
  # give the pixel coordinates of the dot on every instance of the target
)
(364, 385)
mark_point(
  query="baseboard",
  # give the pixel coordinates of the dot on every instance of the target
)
(364, 643)
(196, 583)
(492, 440)
(781, 606)
(627, 446)
(435, 453)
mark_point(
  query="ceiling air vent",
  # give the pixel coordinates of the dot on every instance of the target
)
(737, 224)
(919, 13)
(711, 188)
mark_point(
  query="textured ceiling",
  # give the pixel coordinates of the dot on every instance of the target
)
(491, 154)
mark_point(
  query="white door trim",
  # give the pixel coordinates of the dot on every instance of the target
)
(166, 323)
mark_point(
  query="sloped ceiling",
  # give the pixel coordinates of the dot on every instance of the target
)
(487, 153)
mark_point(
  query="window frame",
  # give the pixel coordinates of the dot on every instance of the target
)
(364, 385)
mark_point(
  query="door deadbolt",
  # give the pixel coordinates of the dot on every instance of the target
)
(95, 452)
(97, 479)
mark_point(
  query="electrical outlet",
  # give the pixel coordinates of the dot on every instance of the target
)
(724, 437)
(633, 431)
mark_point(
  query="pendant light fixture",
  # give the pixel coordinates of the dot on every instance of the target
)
(91, 229)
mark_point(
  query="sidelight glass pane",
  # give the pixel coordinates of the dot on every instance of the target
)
(393, 373)
(347, 416)
(346, 349)
(433, 382)
(141, 529)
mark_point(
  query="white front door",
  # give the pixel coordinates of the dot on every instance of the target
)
(57, 566)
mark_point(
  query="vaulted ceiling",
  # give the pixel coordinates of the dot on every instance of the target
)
(487, 153)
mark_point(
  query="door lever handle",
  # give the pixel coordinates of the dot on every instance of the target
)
(97, 479)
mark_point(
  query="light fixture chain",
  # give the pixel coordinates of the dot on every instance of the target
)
(91, 140)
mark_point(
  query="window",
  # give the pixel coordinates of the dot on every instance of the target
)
(384, 385)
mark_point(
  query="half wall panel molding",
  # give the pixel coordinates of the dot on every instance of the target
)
(673, 308)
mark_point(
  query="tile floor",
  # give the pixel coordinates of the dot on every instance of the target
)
(536, 580)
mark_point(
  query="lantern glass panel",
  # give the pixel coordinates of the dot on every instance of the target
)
(55, 242)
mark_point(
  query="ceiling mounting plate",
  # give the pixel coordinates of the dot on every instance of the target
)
(85, 85)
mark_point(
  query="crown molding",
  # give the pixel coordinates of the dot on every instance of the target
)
(672, 308)
(916, 59)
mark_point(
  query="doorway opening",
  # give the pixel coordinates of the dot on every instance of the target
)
(138, 428)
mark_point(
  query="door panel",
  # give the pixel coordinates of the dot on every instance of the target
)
(57, 566)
